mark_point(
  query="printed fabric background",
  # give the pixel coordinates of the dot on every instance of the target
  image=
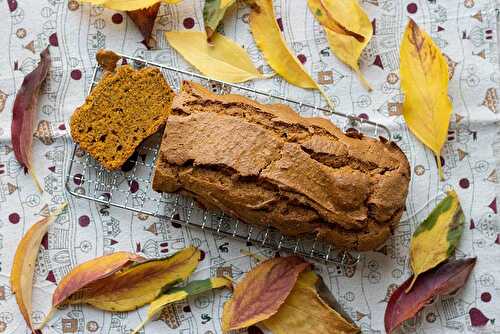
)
(466, 31)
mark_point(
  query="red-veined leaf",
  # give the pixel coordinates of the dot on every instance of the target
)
(442, 280)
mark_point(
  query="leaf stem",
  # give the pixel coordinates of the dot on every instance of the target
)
(411, 284)
(141, 325)
(328, 101)
(35, 179)
(364, 82)
(46, 319)
(440, 167)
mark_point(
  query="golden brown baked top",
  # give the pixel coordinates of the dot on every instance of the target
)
(265, 164)
(124, 108)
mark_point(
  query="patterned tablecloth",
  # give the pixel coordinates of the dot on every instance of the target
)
(466, 31)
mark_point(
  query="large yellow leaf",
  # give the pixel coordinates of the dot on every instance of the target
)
(348, 30)
(179, 293)
(270, 41)
(128, 4)
(23, 267)
(424, 81)
(305, 312)
(139, 284)
(223, 59)
(437, 236)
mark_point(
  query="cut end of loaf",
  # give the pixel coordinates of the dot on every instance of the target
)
(124, 108)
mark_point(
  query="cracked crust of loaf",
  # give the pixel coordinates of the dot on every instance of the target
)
(266, 165)
(124, 108)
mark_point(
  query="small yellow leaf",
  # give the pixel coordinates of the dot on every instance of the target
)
(139, 284)
(437, 236)
(424, 81)
(348, 30)
(179, 293)
(270, 41)
(23, 268)
(223, 59)
(305, 312)
(128, 4)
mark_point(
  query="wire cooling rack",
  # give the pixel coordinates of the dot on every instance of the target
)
(130, 188)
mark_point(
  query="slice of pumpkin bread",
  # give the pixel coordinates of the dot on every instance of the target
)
(124, 108)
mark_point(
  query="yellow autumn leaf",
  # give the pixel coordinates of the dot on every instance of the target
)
(436, 238)
(270, 41)
(305, 312)
(128, 4)
(348, 30)
(23, 267)
(139, 284)
(179, 293)
(424, 81)
(222, 60)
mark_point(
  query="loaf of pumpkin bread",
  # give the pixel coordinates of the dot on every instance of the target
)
(266, 165)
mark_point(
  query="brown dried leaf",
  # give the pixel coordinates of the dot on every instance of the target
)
(23, 268)
(24, 114)
(442, 280)
(144, 19)
(262, 291)
(107, 59)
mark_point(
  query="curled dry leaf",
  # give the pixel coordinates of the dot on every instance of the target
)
(23, 267)
(138, 284)
(436, 238)
(144, 19)
(179, 293)
(223, 59)
(269, 39)
(262, 291)
(442, 280)
(128, 4)
(24, 114)
(348, 30)
(213, 13)
(424, 81)
(305, 312)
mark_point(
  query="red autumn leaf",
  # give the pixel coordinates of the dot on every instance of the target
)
(144, 19)
(442, 280)
(24, 114)
(261, 293)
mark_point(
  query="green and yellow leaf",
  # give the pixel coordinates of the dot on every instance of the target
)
(436, 238)
(348, 30)
(128, 4)
(261, 292)
(138, 284)
(23, 267)
(305, 312)
(424, 81)
(213, 13)
(179, 293)
(222, 59)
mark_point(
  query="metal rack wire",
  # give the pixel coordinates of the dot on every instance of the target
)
(131, 189)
